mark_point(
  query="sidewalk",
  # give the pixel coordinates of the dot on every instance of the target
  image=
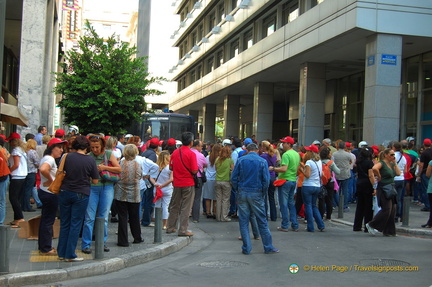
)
(416, 219)
(27, 267)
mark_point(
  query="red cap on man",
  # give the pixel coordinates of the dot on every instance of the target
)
(59, 133)
(171, 142)
(287, 140)
(427, 142)
(154, 141)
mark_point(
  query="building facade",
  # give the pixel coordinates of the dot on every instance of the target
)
(355, 70)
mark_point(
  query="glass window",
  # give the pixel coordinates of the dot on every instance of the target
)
(219, 58)
(269, 25)
(234, 48)
(427, 70)
(211, 21)
(210, 67)
(247, 40)
(290, 12)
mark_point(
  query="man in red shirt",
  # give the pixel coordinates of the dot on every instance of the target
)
(183, 164)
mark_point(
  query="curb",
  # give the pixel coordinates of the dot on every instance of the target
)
(95, 268)
(401, 229)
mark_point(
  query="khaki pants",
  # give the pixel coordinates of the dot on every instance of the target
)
(222, 193)
(180, 208)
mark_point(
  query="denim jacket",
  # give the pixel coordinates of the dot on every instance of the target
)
(250, 174)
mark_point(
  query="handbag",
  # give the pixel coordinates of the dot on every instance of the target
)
(389, 191)
(203, 177)
(323, 190)
(279, 182)
(194, 176)
(108, 175)
(58, 180)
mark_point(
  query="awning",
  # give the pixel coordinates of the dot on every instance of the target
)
(11, 114)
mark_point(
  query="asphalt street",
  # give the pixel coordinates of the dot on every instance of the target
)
(336, 257)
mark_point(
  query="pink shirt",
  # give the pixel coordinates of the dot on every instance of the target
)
(201, 161)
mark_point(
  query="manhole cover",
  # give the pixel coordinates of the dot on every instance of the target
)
(222, 264)
(383, 262)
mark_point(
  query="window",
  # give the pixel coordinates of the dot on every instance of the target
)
(192, 76)
(290, 12)
(234, 49)
(219, 58)
(194, 39)
(199, 72)
(221, 12)
(211, 21)
(209, 65)
(247, 40)
(235, 4)
(269, 25)
(200, 32)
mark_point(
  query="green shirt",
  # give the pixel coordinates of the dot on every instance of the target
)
(223, 169)
(291, 159)
(387, 174)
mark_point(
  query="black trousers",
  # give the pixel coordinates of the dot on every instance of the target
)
(364, 212)
(326, 204)
(48, 215)
(384, 220)
(16, 189)
(128, 211)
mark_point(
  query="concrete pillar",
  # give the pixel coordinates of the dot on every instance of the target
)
(231, 115)
(2, 34)
(382, 88)
(36, 56)
(263, 111)
(311, 102)
(195, 114)
(209, 122)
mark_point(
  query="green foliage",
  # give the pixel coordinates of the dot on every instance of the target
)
(103, 85)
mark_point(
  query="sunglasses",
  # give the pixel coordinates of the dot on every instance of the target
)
(95, 137)
(391, 154)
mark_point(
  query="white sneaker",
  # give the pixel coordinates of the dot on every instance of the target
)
(76, 259)
(371, 230)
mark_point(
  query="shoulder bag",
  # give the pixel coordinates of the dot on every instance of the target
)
(60, 175)
(108, 175)
(323, 190)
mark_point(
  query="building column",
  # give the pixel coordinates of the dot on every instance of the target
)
(311, 102)
(35, 65)
(382, 88)
(231, 115)
(2, 34)
(209, 122)
(262, 126)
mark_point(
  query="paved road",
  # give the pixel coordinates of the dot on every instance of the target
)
(214, 258)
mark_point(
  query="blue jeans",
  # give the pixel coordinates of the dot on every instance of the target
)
(287, 204)
(271, 200)
(99, 205)
(400, 188)
(147, 206)
(247, 203)
(352, 187)
(3, 186)
(49, 212)
(233, 203)
(423, 191)
(28, 190)
(72, 211)
(310, 196)
(36, 197)
(343, 187)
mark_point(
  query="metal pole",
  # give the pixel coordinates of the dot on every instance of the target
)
(405, 211)
(99, 237)
(4, 250)
(341, 204)
(158, 225)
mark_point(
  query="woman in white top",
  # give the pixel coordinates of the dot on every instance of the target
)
(163, 180)
(209, 185)
(18, 168)
(312, 171)
(48, 169)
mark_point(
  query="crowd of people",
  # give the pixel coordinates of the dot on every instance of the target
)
(122, 179)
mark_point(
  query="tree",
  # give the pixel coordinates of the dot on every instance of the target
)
(103, 85)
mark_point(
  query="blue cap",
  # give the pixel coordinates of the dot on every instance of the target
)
(247, 141)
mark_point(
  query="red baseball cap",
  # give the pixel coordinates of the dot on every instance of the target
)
(171, 142)
(287, 140)
(348, 144)
(60, 132)
(4, 138)
(312, 147)
(154, 141)
(427, 142)
(13, 136)
(55, 141)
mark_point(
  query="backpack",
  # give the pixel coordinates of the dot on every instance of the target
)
(326, 173)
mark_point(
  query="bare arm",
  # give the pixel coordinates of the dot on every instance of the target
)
(16, 163)
(429, 170)
(45, 172)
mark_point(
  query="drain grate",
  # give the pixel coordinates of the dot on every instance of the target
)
(383, 262)
(222, 264)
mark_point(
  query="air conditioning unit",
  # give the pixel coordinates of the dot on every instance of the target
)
(216, 29)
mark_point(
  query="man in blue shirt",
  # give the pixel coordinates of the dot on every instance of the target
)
(250, 179)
